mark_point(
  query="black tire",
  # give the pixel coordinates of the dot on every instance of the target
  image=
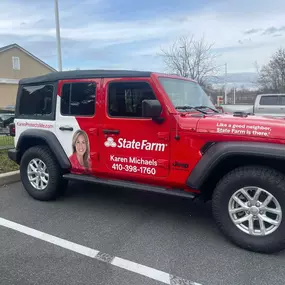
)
(56, 184)
(266, 178)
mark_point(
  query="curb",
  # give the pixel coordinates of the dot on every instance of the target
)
(9, 177)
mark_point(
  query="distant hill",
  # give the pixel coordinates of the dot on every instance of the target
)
(246, 79)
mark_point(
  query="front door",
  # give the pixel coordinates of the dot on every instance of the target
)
(131, 146)
(77, 123)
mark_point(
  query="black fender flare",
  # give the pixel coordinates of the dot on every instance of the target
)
(50, 140)
(217, 152)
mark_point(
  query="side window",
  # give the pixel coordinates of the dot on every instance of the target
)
(36, 100)
(78, 99)
(125, 98)
(269, 100)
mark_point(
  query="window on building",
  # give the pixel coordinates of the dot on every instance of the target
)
(78, 99)
(16, 63)
(36, 100)
(269, 100)
(125, 98)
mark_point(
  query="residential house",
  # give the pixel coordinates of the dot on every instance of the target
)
(17, 63)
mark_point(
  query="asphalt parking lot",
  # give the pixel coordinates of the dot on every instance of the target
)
(172, 235)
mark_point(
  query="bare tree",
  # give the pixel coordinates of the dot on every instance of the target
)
(271, 77)
(191, 58)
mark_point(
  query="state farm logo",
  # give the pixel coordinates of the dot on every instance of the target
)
(110, 143)
(133, 144)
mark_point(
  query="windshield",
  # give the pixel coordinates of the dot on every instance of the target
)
(185, 93)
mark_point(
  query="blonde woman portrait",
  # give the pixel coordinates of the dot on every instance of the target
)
(80, 158)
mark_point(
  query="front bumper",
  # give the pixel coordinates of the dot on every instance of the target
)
(14, 155)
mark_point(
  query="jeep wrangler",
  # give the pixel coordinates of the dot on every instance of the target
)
(153, 132)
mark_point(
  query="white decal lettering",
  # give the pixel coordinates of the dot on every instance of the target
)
(141, 161)
(244, 129)
(133, 144)
(118, 159)
(134, 169)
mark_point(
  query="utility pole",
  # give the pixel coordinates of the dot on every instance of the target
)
(234, 94)
(59, 61)
(226, 74)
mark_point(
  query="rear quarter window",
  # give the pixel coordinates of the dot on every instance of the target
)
(36, 102)
(282, 100)
(269, 100)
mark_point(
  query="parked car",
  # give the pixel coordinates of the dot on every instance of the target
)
(6, 119)
(158, 133)
(265, 105)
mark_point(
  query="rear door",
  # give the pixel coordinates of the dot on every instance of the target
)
(77, 123)
(131, 146)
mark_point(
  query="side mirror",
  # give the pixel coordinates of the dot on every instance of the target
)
(152, 109)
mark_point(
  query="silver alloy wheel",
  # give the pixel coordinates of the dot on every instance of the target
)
(38, 174)
(255, 211)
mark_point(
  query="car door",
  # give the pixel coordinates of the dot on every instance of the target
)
(77, 123)
(131, 146)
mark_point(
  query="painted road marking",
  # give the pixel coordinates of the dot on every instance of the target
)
(96, 254)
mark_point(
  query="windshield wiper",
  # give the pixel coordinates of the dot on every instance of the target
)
(187, 107)
(206, 107)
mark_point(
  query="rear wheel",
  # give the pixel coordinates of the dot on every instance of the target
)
(41, 174)
(249, 208)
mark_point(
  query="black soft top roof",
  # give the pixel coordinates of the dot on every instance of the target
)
(81, 74)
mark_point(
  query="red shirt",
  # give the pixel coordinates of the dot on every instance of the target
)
(77, 168)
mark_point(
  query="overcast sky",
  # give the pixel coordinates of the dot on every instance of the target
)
(129, 34)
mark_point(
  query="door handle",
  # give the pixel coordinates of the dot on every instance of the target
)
(115, 132)
(66, 128)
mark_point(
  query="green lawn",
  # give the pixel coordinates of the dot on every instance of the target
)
(6, 141)
(6, 164)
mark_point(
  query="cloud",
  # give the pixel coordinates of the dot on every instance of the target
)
(245, 41)
(273, 30)
(277, 35)
(252, 31)
(127, 34)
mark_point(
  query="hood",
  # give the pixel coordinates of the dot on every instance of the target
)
(249, 126)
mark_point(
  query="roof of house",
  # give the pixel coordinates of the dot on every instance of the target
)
(79, 74)
(2, 49)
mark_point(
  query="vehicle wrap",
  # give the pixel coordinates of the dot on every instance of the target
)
(168, 154)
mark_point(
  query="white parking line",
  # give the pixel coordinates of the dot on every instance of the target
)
(96, 254)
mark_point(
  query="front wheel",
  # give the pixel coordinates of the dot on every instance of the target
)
(41, 174)
(249, 208)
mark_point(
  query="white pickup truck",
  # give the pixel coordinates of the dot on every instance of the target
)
(264, 105)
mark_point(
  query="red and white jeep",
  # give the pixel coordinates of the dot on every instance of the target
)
(153, 132)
